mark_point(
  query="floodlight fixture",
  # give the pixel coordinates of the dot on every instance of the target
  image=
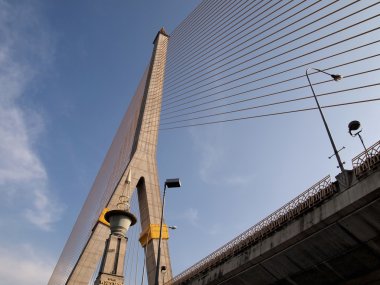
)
(173, 183)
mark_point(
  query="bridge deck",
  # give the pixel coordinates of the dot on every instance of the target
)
(335, 242)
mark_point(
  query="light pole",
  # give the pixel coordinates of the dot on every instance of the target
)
(336, 77)
(169, 183)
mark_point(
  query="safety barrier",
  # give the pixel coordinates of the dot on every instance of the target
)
(366, 160)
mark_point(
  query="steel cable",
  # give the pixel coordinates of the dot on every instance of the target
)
(264, 96)
(193, 61)
(269, 76)
(200, 74)
(211, 39)
(265, 77)
(276, 56)
(255, 89)
(274, 103)
(204, 25)
(272, 114)
(189, 18)
(202, 37)
(200, 20)
(272, 66)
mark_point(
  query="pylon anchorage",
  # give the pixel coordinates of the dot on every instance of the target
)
(129, 164)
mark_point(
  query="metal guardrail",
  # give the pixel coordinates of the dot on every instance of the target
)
(366, 160)
(308, 199)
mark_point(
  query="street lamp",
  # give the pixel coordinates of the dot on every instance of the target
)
(163, 273)
(169, 183)
(335, 77)
(112, 266)
(354, 126)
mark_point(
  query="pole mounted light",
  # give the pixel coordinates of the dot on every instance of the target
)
(335, 77)
(173, 183)
(112, 264)
(169, 183)
(163, 273)
(354, 126)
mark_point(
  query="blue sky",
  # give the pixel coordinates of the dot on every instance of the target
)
(68, 70)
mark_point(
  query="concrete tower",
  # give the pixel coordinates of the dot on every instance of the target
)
(129, 164)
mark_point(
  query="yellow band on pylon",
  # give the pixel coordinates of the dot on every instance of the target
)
(153, 232)
(102, 219)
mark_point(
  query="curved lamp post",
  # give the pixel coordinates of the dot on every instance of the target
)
(354, 126)
(169, 183)
(335, 77)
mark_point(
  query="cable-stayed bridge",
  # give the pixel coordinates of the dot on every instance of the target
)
(227, 61)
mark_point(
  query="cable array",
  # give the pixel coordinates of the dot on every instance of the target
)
(255, 89)
(236, 52)
(283, 53)
(273, 114)
(235, 60)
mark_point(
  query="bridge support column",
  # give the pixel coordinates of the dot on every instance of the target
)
(142, 137)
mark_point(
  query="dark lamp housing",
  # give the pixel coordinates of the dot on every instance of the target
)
(173, 183)
(353, 126)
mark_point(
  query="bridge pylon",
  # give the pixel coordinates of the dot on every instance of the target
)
(129, 164)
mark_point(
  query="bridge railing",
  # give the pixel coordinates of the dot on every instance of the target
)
(366, 160)
(308, 199)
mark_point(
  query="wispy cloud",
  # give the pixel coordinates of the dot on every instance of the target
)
(191, 215)
(19, 162)
(23, 265)
(210, 152)
(216, 166)
(239, 179)
(215, 229)
(24, 49)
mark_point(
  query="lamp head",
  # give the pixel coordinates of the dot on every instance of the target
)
(120, 221)
(163, 269)
(173, 183)
(353, 126)
(336, 77)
